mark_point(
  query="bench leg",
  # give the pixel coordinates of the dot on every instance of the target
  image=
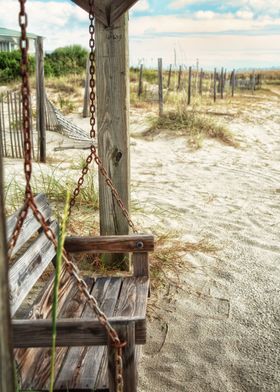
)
(126, 333)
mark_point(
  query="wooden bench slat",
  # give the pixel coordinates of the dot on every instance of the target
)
(110, 244)
(31, 225)
(29, 267)
(84, 373)
(128, 307)
(34, 363)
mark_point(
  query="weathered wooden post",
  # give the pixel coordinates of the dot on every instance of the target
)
(7, 382)
(215, 85)
(140, 84)
(41, 100)
(200, 81)
(190, 86)
(112, 90)
(86, 92)
(169, 77)
(222, 83)
(160, 87)
(253, 86)
(232, 82)
(179, 78)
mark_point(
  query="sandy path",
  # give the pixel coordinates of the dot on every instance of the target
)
(224, 330)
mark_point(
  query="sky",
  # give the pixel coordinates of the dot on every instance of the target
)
(229, 33)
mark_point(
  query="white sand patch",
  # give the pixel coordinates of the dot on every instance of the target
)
(224, 330)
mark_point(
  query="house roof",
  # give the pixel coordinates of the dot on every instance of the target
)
(15, 34)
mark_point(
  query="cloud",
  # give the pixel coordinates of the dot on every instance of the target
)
(61, 23)
(177, 4)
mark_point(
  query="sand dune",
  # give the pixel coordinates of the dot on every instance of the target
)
(223, 332)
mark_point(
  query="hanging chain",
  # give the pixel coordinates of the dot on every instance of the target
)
(93, 151)
(30, 203)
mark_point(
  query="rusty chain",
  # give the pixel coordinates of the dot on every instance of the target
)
(93, 150)
(30, 201)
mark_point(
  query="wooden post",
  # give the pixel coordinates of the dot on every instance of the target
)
(215, 85)
(160, 87)
(224, 80)
(7, 383)
(169, 77)
(222, 83)
(41, 100)
(179, 78)
(190, 86)
(233, 83)
(112, 90)
(200, 81)
(140, 85)
(86, 93)
(253, 82)
(126, 334)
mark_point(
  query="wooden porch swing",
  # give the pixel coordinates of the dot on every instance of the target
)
(92, 313)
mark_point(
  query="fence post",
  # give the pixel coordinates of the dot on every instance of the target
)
(215, 85)
(200, 81)
(7, 382)
(222, 83)
(253, 82)
(41, 100)
(179, 78)
(169, 76)
(190, 86)
(140, 84)
(160, 87)
(232, 83)
(86, 93)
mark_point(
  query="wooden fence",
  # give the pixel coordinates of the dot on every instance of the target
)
(192, 81)
(11, 138)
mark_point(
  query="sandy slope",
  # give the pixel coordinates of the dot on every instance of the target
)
(223, 333)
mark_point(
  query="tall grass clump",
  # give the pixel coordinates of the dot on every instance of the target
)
(59, 256)
(195, 125)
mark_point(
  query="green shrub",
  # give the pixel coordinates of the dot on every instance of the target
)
(10, 65)
(63, 61)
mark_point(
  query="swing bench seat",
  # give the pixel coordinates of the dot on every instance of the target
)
(84, 354)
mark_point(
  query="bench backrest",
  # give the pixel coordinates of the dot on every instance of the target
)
(32, 259)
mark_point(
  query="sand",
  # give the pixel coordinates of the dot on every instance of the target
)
(219, 330)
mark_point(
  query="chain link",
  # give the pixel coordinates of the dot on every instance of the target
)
(29, 199)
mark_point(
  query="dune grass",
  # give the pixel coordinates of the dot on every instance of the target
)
(195, 126)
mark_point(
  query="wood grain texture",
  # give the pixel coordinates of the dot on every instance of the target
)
(126, 334)
(34, 362)
(81, 366)
(110, 244)
(99, 10)
(190, 86)
(132, 303)
(119, 7)
(29, 267)
(109, 12)
(140, 262)
(6, 357)
(31, 225)
(112, 91)
(41, 100)
(160, 87)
